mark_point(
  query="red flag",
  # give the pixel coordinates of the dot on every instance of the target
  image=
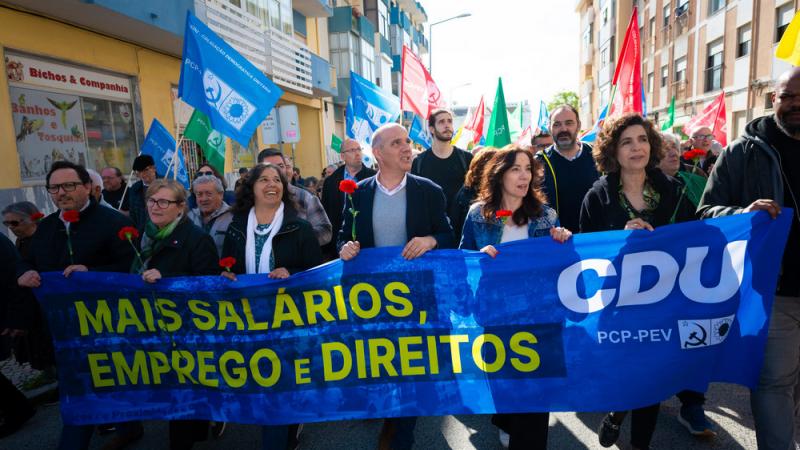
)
(475, 123)
(712, 117)
(627, 82)
(418, 91)
(524, 139)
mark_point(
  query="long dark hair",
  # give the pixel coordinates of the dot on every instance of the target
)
(216, 174)
(245, 197)
(491, 193)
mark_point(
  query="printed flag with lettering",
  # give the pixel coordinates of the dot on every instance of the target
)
(368, 108)
(419, 132)
(418, 92)
(211, 141)
(160, 144)
(215, 79)
(499, 134)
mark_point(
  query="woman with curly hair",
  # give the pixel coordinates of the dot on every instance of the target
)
(632, 195)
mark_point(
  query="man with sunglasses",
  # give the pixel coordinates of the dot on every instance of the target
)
(333, 199)
(95, 246)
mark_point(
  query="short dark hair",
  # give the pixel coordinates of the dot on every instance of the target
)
(540, 134)
(243, 170)
(116, 170)
(569, 107)
(435, 113)
(605, 151)
(83, 174)
(267, 152)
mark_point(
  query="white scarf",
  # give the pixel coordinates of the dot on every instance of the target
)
(250, 245)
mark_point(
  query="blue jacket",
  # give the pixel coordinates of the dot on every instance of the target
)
(426, 213)
(480, 232)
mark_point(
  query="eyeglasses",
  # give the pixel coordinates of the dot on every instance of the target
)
(11, 223)
(353, 150)
(162, 203)
(68, 187)
(204, 172)
(541, 146)
(703, 136)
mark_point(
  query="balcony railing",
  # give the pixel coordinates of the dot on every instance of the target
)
(243, 31)
(289, 62)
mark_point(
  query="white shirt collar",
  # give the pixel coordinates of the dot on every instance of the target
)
(61, 213)
(393, 191)
(577, 155)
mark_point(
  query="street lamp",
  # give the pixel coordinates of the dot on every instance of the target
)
(430, 32)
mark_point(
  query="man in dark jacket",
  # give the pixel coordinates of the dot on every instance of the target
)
(569, 168)
(761, 171)
(443, 163)
(396, 208)
(94, 246)
(332, 198)
(145, 168)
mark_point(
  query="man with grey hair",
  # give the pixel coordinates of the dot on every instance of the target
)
(760, 171)
(212, 213)
(396, 208)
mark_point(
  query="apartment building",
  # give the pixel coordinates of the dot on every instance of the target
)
(692, 50)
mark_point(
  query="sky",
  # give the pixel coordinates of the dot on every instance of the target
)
(532, 44)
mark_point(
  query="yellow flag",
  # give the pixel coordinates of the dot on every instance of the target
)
(457, 136)
(789, 47)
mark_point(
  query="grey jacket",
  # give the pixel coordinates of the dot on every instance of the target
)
(747, 170)
(217, 224)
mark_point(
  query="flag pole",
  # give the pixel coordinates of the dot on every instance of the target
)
(125, 191)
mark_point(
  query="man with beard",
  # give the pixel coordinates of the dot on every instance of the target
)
(569, 169)
(443, 163)
(761, 171)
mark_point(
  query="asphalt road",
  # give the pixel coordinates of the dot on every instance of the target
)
(728, 409)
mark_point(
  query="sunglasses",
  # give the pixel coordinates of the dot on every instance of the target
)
(11, 223)
(204, 172)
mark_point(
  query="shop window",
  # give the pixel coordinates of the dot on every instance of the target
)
(65, 112)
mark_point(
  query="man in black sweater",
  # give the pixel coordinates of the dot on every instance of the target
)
(443, 163)
(94, 246)
(569, 168)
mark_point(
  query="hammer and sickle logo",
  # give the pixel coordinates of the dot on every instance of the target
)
(694, 340)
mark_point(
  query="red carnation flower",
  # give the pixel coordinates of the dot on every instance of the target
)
(227, 262)
(71, 216)
(504, 213)
(694, 154)
(37, 216)
(128, 233)
(348, 186)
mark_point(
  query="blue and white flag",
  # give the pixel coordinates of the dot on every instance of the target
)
(544, 118)
(419, 133)
(222, 84)
(591, 135)
(160, 144)
(368, 108)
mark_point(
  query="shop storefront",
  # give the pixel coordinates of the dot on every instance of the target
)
(62, 111)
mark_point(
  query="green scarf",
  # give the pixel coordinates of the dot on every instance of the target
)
(152, 242)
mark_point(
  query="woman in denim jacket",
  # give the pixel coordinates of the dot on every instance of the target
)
(509, 186)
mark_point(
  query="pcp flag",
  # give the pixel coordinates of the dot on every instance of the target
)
(368, 108)
(604, 322)
(210, 140)
(418, 92)
(476, 122)
(713, 118)
(160, 144)
(627, 93)
(419, 132)
(219, 82)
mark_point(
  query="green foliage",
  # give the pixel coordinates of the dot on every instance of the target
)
(564, 97)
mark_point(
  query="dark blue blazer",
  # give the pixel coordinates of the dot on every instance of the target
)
(426, 213)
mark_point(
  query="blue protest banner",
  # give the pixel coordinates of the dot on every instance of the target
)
(543, 123)
(606, 322)
(222, 84)
(419, 133)
(160, 144)
(368, 108)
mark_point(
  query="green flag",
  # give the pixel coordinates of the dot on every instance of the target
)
(498, 134)
(671, 119)
(336, 143)
(211, 141)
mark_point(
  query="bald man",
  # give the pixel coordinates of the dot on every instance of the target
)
(760, 171)
(398, 209)
(333, 199)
